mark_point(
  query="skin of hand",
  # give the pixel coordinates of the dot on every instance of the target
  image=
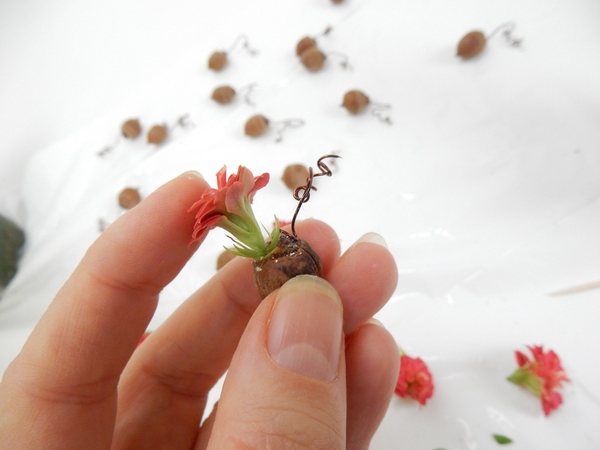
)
(306, 368)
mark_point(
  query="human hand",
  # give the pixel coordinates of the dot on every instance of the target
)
(293, 380)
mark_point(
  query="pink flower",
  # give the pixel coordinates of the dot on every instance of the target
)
(414, 380)
(541, 376)
(229, 207)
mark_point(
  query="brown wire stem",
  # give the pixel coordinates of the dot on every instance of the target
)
(305, 190)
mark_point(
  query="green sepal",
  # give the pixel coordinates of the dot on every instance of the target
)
(501, 439)
(527, 379)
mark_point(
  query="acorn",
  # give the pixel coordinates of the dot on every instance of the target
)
(131, 129)
(157, 134)
(355, 101)
(224, 258)
(313, 59)
(256, 125)
(472, 44)
(292, 257)
(223, 95)
(217, 61)
(295, 175)
(304, 44)
(129, 197)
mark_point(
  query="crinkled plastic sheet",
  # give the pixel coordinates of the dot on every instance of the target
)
(485, 187)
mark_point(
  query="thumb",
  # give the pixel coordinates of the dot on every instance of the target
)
(286, 386)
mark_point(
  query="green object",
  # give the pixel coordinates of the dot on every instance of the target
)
(12, 239)
(501, 439)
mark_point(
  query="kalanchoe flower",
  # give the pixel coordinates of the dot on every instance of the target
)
(414, 380)
(541, 376)
(229, 207)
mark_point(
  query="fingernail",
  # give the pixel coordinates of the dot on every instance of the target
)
(372, 237)
(194, 173)
(305, 330)
(374, 321)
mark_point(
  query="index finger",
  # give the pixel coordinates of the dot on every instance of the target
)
(63, 383)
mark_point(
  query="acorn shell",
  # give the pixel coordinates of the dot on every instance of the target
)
(292, 257)
(256, 125)
(355, 101)
(312, 58)
(295, 175)
(157, 134)
(223, 95)
(217, 61)
(471, 45)
(131, 128)
(129, 197)
(304, 44)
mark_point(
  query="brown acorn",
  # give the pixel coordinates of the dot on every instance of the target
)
(223, 95)
(304, 44)
(224, 258)
(295, 175)
(355, 101)
(131, 129)
(129, 197)
(157, 134)
(256, 125)
(471, 45)
(217, 61)
(313, 59)
(292, 257)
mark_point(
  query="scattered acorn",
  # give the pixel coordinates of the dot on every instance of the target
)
(131, 128)
(295, 175)
(223, 95)
(312, 58)
(157, 134)
(304, 44)
(256, 125)
(224, 258)
(355, 101)
(292, 257)
(472, 44)
(129, 197)
(217, 61)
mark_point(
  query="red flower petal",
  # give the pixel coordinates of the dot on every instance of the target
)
(414, 380)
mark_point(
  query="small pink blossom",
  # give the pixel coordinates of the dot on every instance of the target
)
(414, 380)
(229, 207)
(541, 376)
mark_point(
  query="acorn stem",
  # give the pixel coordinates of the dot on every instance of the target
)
(246, 44)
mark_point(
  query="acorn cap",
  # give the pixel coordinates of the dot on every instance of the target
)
(223, 95)
(355, 101)
(471, 45)
(157, 134)
(304, 44)
(312, 58)
(256, 125)
(131, 128)
(292, 257)
(217, 61)
(129, 197)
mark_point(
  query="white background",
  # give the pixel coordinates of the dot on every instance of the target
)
(486, 187)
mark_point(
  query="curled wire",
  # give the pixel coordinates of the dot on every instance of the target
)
(302, 193)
